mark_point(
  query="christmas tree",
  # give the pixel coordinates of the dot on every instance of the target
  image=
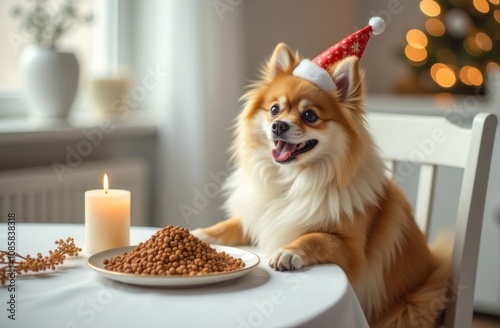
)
(458, 46)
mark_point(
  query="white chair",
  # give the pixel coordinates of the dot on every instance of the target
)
(432, 141)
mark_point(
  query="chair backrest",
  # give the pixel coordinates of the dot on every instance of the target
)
(431, 141)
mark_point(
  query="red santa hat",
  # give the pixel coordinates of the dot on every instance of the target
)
(316, 70)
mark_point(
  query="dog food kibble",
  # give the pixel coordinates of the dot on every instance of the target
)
(173, 251)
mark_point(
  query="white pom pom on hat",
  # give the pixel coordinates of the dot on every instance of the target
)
(377, 24)
(352, 45)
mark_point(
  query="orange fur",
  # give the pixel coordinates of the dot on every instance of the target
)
(228, 232)
(355, 217)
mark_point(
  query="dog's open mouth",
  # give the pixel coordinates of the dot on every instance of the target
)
(286, 152)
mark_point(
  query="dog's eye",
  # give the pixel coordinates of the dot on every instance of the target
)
(310, 116)
(275, 110)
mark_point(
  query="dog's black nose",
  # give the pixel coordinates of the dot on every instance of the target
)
(279, 127)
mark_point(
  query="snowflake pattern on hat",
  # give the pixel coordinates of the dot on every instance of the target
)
(353, 45)
(315, 71)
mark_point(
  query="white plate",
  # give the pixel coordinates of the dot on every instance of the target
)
(250, 259)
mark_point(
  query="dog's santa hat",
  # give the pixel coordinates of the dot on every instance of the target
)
(316, 71)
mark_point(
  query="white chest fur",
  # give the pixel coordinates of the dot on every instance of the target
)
(278, 204)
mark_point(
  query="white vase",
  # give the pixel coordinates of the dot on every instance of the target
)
(50, 80)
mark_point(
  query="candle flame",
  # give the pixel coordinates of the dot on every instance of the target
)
(106, 183)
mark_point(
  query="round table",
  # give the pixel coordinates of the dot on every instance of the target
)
(75, 296)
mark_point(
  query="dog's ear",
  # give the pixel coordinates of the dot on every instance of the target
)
(348, 78)
(282, 61)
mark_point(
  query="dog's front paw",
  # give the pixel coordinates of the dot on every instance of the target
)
(284, 259)
(203, 236)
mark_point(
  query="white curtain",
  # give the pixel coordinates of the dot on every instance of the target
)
(201, 51)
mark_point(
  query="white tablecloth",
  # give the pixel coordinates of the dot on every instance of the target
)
(76, 296)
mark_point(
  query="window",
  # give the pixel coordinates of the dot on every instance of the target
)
(107, 47)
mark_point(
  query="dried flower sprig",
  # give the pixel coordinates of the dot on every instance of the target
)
(48, 21)
(39, 263)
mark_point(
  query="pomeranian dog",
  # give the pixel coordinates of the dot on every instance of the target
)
(309, 187)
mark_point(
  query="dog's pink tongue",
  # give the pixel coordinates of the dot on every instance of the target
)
(283, 151)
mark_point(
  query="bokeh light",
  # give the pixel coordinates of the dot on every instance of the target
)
(434, 69)
(416, 38)
(483, 41)
(443, 75)
(430, 8)
(416, 55)
(471, 76)
(481, 5)
(496, 13)
(435, 27)
(448, 25)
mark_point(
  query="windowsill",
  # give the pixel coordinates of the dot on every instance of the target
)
(22, 129)
(427, 104)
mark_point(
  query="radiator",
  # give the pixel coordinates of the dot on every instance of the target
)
(38, 195)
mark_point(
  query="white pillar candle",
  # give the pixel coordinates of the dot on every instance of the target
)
(107, 218)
